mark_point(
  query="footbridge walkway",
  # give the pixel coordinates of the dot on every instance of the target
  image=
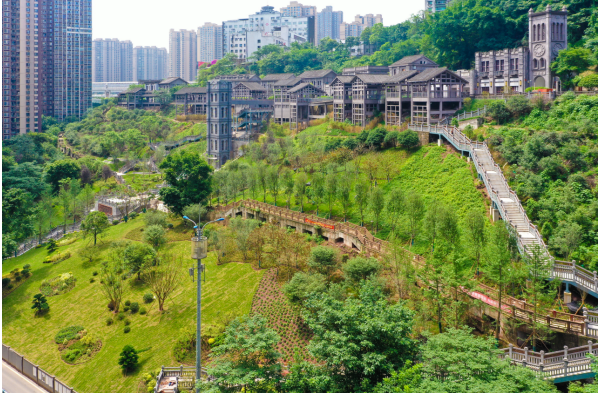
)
(506, 202)
(361, 239)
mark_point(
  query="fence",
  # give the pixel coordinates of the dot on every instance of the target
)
(44, 379)
(183, 376)
(555, 365)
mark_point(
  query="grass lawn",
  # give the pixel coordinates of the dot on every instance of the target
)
(229, 289)
(434, 172)
(140, 182)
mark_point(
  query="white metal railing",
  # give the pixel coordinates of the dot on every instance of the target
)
(500, 193)
(552, 365)
(185, 377)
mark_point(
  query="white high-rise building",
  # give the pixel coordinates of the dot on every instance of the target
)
(355, 29)
(210, 42)
(243, 37)
(328, 23)
(183, 58)
(149, 62)
(112, 60)
(297, 9)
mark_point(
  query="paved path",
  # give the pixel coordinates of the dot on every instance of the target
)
(15, 382)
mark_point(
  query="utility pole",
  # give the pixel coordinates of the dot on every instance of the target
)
(199, 252)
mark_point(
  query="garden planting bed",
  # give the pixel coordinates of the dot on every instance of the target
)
(58, 285)
(76, 345)
(283, 317)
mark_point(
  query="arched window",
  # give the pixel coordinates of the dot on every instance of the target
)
(539, 29)
(543, 31)
(562, 31)
(553, 31)
(542, 63)
(533, 37)
(535, 63)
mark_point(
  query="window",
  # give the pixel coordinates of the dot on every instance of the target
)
(535, 63)
(543, 31)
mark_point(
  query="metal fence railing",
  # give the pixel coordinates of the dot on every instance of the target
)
(35, 373)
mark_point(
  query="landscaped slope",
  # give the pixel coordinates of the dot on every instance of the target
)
(229, 288)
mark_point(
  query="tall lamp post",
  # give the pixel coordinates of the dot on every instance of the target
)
(199, 251)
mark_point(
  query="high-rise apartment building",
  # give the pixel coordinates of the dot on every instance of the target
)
(112, 60)
(47, 67)
(297, 9)
(210, 42)
(183, 58)
(149, 62)
(355, 29)
(436, 5)
(328, 23)
(243, 37)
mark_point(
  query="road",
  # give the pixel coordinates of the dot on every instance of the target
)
(15, 382)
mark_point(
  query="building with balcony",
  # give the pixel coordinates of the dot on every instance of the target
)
(149, 62)
(112, 60)
(328, 24)
(436, 5)
(269, 80)
(183, 59)
(210, 42)
(296, 9)
(243, 37)
(355, 28)
(412, 63)
(193, 99)
(318, 78)
(294, 102)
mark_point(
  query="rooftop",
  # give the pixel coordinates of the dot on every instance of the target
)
(409, 60)
(315, 74)
(432, 73)
(191, 90)
(277, 77)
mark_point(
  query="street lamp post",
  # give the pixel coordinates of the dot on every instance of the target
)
(199, 251)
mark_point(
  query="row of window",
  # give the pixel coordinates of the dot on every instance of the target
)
(485, 65)
(557, 32)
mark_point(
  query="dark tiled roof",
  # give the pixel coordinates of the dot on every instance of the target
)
(133, 91)
(253, 86)
(191, 90)
(408, 60)
(344, 78)
(432, 73)
(401, 76)
(373, 79)
(170, 80)
(277, 77)
(315, 74)
(302, 86)
(288, 82)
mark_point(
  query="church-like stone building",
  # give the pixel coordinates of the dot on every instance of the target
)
(514, 70)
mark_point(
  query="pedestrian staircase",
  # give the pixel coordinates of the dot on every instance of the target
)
(505, 200)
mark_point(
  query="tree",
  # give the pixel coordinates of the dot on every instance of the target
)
(497, 258)
(358, 268)
(300, 189)
(394, 205)
(518, 106)
(26, 176)
(85, 175)
(261, 177)
(40, 304)
(414, 212)
(497, 110)
(361, 339)
(128, 359)
(87, 197)
(538, 266)
(155, 236)
(376, 204)
(111, 283)
(64, 200)
(61, 169)
(17, 213)
(302, 285)
(163, 280)
(322, 259)
(273, 182)
(242, 230)
(288, 185)
(588, 81)
(246, 358)
(43, 214)
(94, 224)
(457, 361)
(361, 197)
(376, 137)
(318, 189)
(189, 180)
(138, 256)
(344, 188)
(431, 222)
(475, 225)
(574, 60)
(408, 139)
(330, 188)
(74, 191)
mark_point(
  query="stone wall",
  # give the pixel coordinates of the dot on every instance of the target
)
(475, 122)
(423, 138)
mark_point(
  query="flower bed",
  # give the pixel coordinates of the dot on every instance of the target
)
(76, 345)
(270, 302)
(58, 285)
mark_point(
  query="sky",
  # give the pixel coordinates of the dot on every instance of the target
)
(147, 22)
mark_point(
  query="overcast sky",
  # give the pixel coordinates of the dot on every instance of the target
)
(147, 22)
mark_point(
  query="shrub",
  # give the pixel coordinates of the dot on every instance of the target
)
(111, 305)
(408, 139)
(115, 222)
(51, 246)
(69, 333)
(127, 322)
(92, 279)
(127, 329)
(109, 321)
(143, 311)
(26, 267)
(6, 282)
(127, 302)
(10, 286)
(128, 359)
(148, 298)
(170, 225)
(121, 316)
(57, 258)
(155, 236)
(88, 340)
(155, 217)
(94, 273)
(132, 215)
(126, 308)
(26, 273)
(134, 307)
